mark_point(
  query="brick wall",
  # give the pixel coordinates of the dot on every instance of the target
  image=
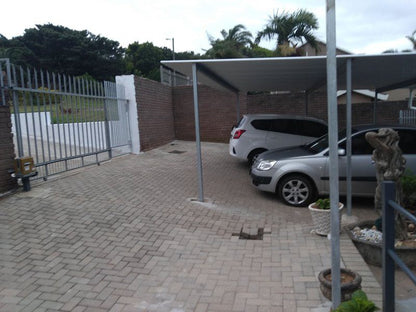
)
(6, 151)
(155, 113)
(218, 110)
(217, 113)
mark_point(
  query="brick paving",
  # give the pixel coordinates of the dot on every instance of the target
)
(128, 236)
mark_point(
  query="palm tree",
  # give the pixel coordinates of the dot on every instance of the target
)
(290, 29)
(412, 39)
(234, 43)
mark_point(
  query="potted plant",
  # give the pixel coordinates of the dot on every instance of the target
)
(359, 302)
(321, 215)
(350, 282)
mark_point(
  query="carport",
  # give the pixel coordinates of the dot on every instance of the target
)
(297, 74)
(304, 74)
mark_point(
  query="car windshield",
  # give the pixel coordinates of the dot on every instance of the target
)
(322, 143)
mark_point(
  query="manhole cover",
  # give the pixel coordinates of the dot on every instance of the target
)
(251, 234)
(177, 152)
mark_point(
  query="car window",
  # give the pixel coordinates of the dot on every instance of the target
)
(261, 124)
(359, 145)
(407, 141)
(311, 128)
(284, 126)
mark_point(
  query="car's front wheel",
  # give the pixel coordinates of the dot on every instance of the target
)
(296, 190)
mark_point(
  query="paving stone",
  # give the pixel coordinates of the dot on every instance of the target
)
(125, 236)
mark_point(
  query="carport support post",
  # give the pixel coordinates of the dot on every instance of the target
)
(333, 150)
(197, 136)
(238, 107)
(349, 114)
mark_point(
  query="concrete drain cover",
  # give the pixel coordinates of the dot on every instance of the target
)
(177, 152)
(252, 234)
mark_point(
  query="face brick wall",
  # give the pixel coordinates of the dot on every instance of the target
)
(217, 110)
(154, 107)
(217, 113)
(7, 151)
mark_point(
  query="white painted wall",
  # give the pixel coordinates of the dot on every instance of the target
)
(130, 93)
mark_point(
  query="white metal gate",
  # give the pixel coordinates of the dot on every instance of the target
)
(64, 122)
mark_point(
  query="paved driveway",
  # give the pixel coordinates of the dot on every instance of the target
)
(127, 236)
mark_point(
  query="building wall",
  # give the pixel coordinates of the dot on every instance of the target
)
(7, 154)
(217, 113)
(218, 110)
(155, 113)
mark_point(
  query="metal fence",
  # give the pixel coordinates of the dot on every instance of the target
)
(390, 257)
(64, 122)
(407, 117)
(172, 78)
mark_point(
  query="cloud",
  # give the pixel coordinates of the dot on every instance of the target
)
(362, 26)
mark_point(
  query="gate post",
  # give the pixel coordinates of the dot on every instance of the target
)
(7, 154)
(389, 193)
(128, 82)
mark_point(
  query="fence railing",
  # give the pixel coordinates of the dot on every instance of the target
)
(64, 122)
(407, 117)
(172, 78)
(390, 257)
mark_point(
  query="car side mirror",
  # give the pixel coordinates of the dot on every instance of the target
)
(341, 152)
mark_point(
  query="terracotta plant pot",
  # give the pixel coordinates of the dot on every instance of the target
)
(350, 282)
(322, 219)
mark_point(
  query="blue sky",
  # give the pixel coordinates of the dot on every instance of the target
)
(365, 26)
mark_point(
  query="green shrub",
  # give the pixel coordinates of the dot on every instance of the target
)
(358, 303)
(408, 182)
(323, 203)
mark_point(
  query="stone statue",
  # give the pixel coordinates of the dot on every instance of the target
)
(389, 162)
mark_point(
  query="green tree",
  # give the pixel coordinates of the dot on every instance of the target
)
(234, 44)
(15, 51)
(60, 49)
(144, 59)
(290, 29)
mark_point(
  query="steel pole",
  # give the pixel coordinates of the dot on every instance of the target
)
(349, 119)
(197, 135)
(238, 107)
(333, 150)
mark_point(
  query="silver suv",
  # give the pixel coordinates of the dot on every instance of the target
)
(298, 174)
(257, 133)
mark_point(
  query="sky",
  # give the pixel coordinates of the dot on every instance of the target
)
(362, 26)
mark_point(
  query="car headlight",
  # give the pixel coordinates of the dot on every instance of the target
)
(265, 165)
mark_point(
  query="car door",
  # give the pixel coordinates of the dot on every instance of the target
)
(363, 172)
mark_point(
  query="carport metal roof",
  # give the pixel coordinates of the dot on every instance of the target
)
(379, 72)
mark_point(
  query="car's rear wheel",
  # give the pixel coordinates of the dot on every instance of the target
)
(296, 190)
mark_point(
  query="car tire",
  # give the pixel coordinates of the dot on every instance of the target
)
(253, 154)
(296, 190)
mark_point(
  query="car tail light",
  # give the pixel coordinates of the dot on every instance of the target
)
(238, 133)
